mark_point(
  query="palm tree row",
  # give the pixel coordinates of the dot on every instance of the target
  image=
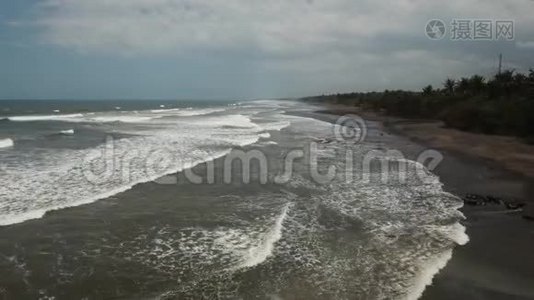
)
(503, 104)
(505, 84)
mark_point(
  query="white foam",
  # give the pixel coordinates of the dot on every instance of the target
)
(431, 267)
(14, 218)
(275, 126)
(56, 179)
(45, 118)
(122, 119)
(268, 143)
(199, 112)
(6, 143)
(234, 121)
(403, 237)
(265, 135)
(168, 110)
(427, 273)
(259, 253)
(67, 132)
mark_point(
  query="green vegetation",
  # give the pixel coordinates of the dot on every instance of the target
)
(502, 105)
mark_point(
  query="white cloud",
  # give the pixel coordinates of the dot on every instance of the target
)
(365, 42)
(526, 45)
(159, 26)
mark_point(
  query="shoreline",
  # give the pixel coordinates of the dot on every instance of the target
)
(126, 216)
(497, 262)
(130, 215)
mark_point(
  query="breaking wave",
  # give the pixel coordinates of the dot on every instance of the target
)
(6, 143)
(58, 179)
(67, 132)
(71, 117)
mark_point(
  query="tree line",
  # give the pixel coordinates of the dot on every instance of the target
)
(502, 104)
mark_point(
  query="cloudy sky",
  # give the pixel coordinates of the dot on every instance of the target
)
(167, 49)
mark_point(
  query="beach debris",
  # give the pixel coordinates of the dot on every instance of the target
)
(479, 200)
(494, 200)
(324, 140)
(528, 213)
(474, 200)
(514, 205)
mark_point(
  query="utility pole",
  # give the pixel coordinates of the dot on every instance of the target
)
(500, 63)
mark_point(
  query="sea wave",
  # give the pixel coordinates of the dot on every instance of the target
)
(19, 217)
(6, 143)
(428, 270)
(265, 135)
(431, 267)
(32, 118)
(59, 176)
(119, 116)
(122, 119)
(165, 110)
(67, 132)
(265, 247)
(199, 112)
(328, 237)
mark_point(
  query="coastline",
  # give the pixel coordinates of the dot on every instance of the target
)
(132, 243)
(139, 229)
(498, 262)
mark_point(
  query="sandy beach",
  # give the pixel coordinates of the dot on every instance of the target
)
(498, 262)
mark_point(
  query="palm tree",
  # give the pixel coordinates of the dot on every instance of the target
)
(462, 85)
(428, 90)
(449, 85)
(477, 83)
(520, 79)
(505, 76)
(504, 82)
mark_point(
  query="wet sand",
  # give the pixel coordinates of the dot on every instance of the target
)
(498, 262)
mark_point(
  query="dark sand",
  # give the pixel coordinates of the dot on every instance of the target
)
(498, 262)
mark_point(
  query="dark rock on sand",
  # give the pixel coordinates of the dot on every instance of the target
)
(474, 200)
(325, 140)
(494, 200)
(478, 200)
(514, 205)
(529, 214)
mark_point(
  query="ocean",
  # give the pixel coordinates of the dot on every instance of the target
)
(153, 200)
